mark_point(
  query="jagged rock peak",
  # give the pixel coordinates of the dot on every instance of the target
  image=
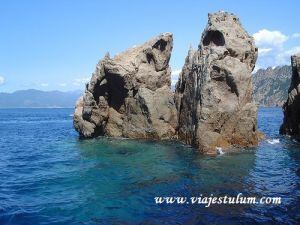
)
(291, 108)
(224, 29)
(129, 95)
(214, 92)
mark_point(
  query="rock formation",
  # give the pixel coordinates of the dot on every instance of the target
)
(214, 92)
(130, 96)
(291, 109)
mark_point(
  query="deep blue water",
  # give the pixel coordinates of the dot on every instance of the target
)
(49, 176)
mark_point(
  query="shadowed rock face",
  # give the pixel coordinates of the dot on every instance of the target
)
(214, 92)
(130, 95)
(291, 109)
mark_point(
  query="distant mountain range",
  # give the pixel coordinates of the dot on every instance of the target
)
(39, 99)
(271, 85)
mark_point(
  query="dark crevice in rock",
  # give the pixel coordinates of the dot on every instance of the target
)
(99, 131)
(161, 45)
(150, 58)
(214, 37)
(233, 53)
(145, 111)
(218, 74)
(233, 87)
(86, 113)
(116, 91)
(101, 90)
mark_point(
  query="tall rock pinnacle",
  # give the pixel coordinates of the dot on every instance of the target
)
(214, 92)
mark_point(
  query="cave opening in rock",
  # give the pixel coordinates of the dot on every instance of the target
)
(214, 37)
(116, 91)
(161, 45)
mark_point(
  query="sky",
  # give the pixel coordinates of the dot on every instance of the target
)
(55, 44)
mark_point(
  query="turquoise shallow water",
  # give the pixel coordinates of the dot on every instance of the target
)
(49, 176)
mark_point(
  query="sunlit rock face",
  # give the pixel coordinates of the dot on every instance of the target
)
(130, 96)
(214, 92)
(212, 109)
(291, 109)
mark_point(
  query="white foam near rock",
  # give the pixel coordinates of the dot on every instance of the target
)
(219, 151)
(273, 141)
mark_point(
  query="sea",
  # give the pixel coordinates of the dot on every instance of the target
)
(48, 175)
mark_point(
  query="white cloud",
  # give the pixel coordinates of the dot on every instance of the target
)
(44, 84)
(281, 57)
(266, 37)
(293, 51)
(284, 57)
(296, 35)
(2, 80)
(62, 84)
(264, 51)
(272, 47)
(174, 77)
(176, 72)
(80, 81)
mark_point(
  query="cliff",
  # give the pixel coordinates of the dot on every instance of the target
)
(271, 85)
(291, 108)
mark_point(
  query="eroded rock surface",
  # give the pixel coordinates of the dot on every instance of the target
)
(130, 96)
(214, 92)
(291, 109)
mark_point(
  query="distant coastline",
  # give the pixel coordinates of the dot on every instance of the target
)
(33, 98)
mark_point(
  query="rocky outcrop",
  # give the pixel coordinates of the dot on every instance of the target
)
(130, 96)
(291, 109)
(214, 92)
(270, 85)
